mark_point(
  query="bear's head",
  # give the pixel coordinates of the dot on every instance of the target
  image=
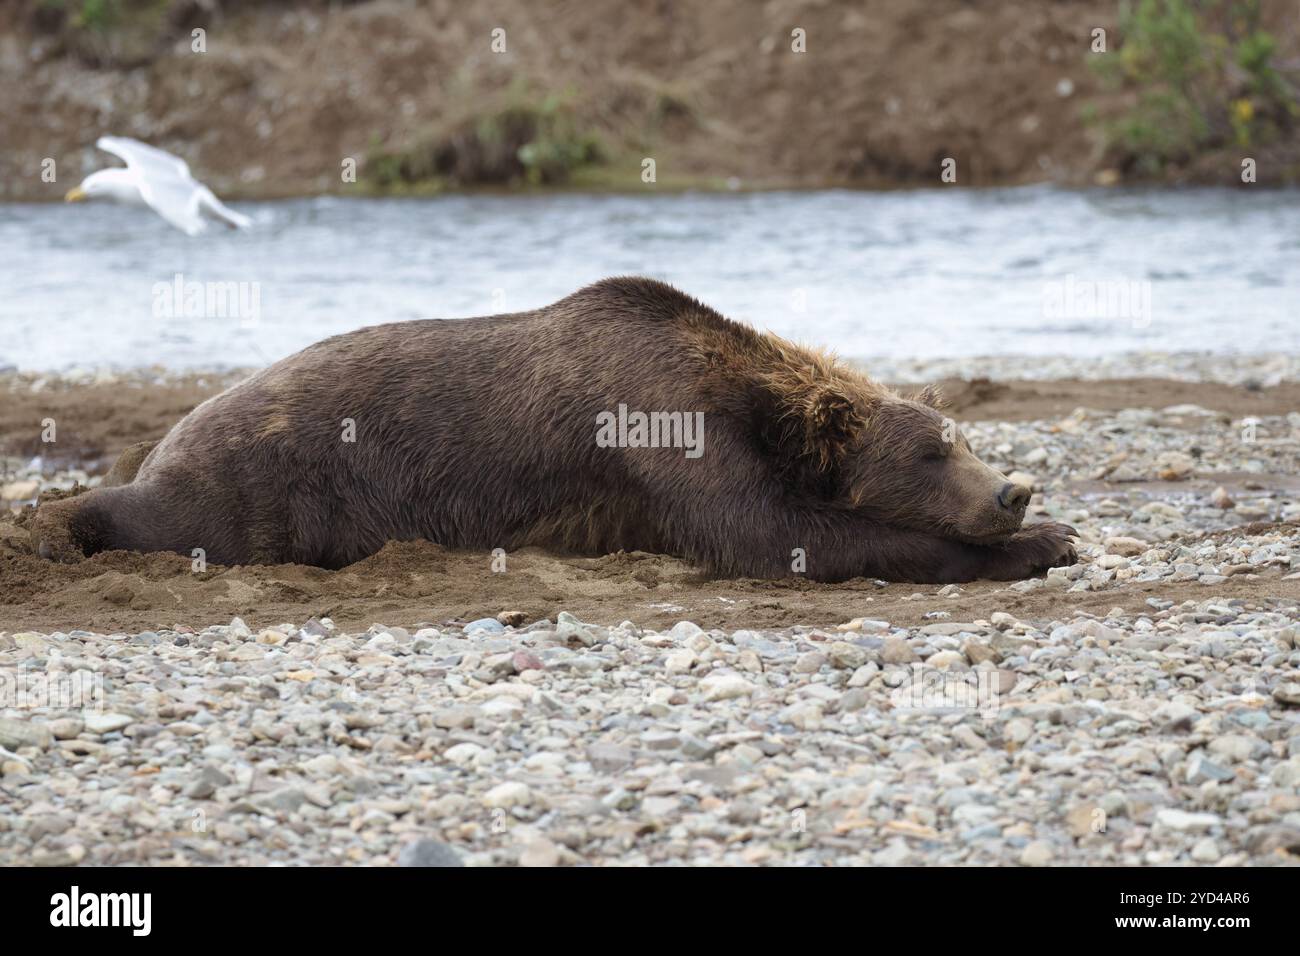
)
(912, 466)
(900, 461)
(839, 438)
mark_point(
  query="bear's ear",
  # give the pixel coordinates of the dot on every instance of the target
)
(827, 422)
(932, 395)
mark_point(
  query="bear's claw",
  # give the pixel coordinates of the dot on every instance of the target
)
(1037, 547)
(1055, 544)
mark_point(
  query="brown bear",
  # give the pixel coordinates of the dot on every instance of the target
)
(628, 416)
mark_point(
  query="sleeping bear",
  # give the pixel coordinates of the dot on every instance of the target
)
(628, 416)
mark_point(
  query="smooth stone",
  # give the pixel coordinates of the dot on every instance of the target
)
(106, 723)
(848, 656)
(428, 852)
(1037, 853)
(898, 651)
(509, 794)
(23, 733)
(1182, 820)
(725, 687)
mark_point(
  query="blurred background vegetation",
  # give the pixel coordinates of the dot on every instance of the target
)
(586, 89)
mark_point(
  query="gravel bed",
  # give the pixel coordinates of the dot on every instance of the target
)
(1168, 737)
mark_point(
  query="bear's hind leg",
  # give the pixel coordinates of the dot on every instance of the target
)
(74, 528)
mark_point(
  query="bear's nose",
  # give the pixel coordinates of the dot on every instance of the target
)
(1013, 497)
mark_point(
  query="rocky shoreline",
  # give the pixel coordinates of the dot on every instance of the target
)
(1168, 737)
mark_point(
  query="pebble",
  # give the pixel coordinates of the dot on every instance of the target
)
(809, 663)
(1182, 820)
(1235, 748)
(106, 723)
(15, 734)
(540, 852)
(570, 630)
(946, 660)
(1036, 853)
(510, 794)
(725, 687)
(845, 655)
(1201, 769)
(1287, 692)
(428, 852)
(66, 728)
(1125, 547)
(897, 651)
(1174, 465)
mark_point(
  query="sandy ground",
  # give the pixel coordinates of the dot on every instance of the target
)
(411, 583)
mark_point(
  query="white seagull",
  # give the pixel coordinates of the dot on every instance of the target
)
(159, 180)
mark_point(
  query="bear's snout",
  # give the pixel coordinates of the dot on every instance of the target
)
(993, 505)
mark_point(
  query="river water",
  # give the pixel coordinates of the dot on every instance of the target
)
(940, 273)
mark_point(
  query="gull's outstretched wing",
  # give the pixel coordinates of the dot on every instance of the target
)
(148, 158)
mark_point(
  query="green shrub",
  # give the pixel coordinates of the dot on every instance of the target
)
(526, 141)
(1198, 88)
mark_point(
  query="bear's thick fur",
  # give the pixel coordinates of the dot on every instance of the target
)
(495, 433)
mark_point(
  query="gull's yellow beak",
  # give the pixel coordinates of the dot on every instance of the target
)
(76, 194)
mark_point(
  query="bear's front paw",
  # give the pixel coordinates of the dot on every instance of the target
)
(1036, 547)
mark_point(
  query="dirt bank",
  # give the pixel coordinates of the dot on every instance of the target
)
(580, 93)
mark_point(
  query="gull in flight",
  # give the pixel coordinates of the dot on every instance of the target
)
(159, 180)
